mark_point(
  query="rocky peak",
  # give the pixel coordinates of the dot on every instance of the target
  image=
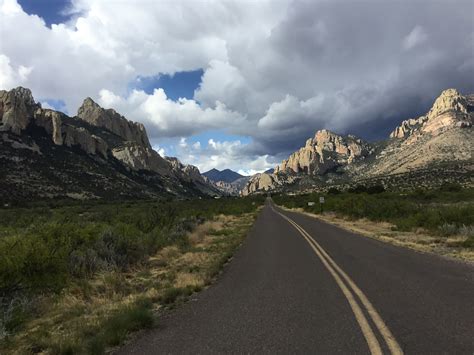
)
(449, 100)
(16, 109)
(324, 152)
(187, 171)
(450, 109)
(94, 114)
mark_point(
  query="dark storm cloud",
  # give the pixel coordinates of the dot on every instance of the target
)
(370, 63)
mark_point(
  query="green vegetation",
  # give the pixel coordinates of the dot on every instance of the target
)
(101, 270)
(444, 212)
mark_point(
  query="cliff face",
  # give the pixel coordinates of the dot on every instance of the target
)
(451, 109)
(16, 109)
(266, 182)
(325, 152)
(109, 119)
(103, 135)
(443, 135)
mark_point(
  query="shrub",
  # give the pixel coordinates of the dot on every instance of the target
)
(375, 189)
(448, 229)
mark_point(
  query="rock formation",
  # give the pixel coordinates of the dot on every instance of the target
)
(187, 171)
(101, 134)
(109, 119)
(324, 152)
(442, 137)
(449, 110)
(16, 109)
(266, 182)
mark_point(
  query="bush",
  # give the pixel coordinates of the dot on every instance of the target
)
(437, 211)
(375, 189)
(44, 249)
(448, 229)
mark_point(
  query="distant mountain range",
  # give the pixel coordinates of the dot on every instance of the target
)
(100, 154)
(227, 181)
(425, 151)
(225, 175)
(96, 154)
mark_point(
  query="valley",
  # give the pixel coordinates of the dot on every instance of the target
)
(102, 237)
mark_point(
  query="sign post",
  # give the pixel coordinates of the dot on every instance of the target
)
(321, 202)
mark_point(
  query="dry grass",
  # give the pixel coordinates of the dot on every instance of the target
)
(419, 240)
(64, 324)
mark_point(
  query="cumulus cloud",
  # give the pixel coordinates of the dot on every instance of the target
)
(165, 117)
(11, 77)
(273, 71)
(224, 154)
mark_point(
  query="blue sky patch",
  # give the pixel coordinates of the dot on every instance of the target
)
(52, 11)
(181, 84)
(58, 105)
(218, 136)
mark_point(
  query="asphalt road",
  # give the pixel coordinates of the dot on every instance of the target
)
(298, 285)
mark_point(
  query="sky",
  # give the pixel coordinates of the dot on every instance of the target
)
(240, 84)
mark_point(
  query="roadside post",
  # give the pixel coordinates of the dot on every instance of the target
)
(321, 202)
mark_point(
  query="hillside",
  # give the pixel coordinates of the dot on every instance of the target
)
(96, 154)
(425, 151)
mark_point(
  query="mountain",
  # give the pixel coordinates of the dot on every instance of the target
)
(225, 175)
(326, 152)
(428, 150)
(96, 154)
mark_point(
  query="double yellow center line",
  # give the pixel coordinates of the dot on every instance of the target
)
(351, 291)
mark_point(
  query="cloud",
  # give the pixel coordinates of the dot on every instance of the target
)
(11, 77)
(273, 71)
(416, 37)
(223, 154)
(167, 118)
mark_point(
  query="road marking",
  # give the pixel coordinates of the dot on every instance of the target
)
(333, 268)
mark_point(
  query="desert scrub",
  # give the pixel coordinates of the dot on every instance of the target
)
(448, 211)
(73, 272)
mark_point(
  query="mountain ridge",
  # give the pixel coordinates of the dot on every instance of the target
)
(226, 175)
(441, 138)
(86, 155)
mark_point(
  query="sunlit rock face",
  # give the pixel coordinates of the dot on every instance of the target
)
(324, 152)
(450, 110)
(16, 109)
(95, 137)
(441, 139)
(266, 182)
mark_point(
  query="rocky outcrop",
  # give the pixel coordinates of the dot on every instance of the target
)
(16, 109)
(115, 136)
(109, 119)
(138, 157)
(443, 137)
(51, 121)
(325, 152)
(266, 182)
(188, 172)
(81, 137)
(450, 110)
